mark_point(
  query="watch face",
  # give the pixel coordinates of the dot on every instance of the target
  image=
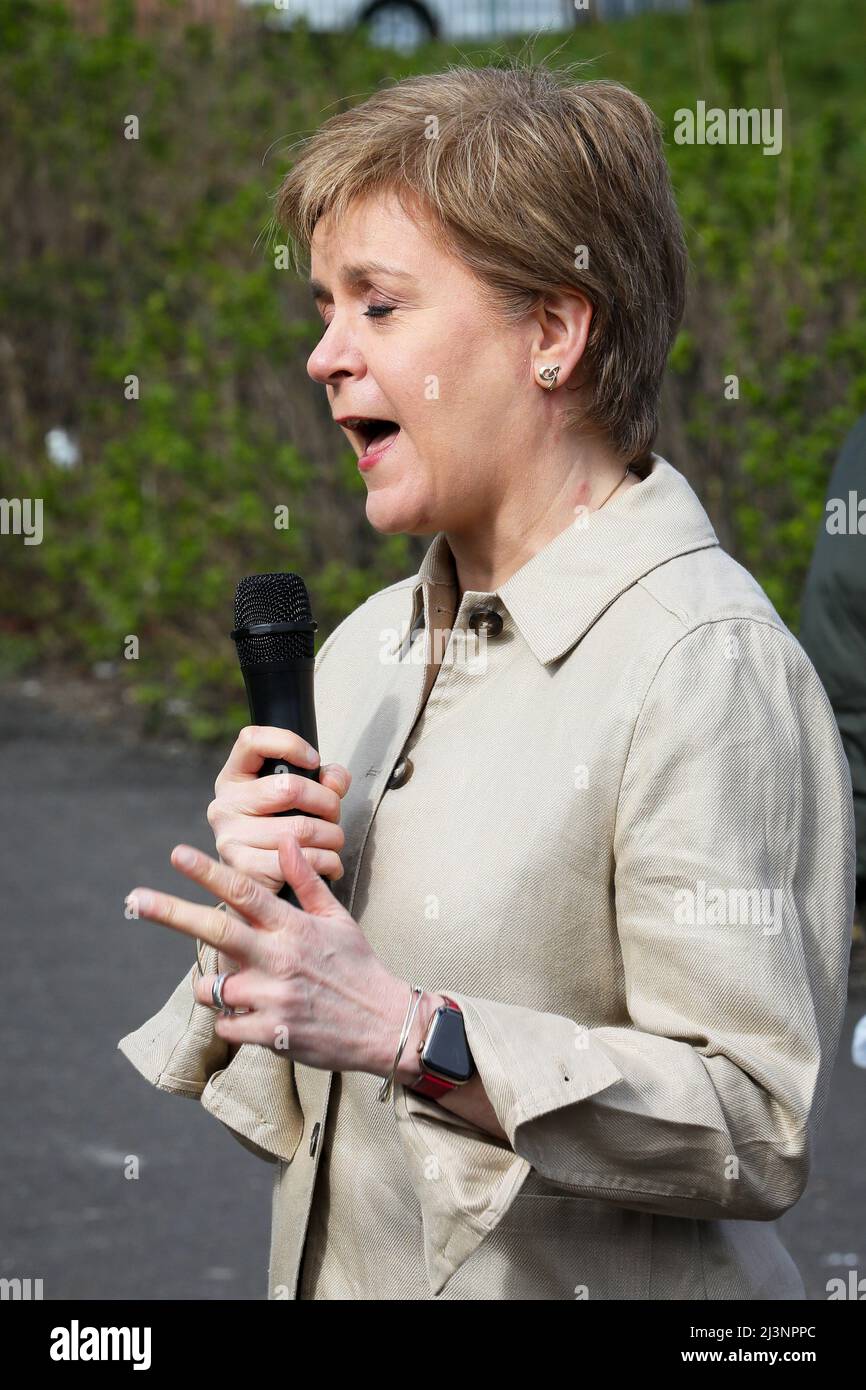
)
(447, 1051)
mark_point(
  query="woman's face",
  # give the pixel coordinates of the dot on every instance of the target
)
(410, 339)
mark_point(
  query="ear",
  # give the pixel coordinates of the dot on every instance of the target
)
(311, 889)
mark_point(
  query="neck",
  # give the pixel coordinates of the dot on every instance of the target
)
(532, 515)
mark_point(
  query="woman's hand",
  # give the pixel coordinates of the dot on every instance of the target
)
(241, 815)
(308, 976)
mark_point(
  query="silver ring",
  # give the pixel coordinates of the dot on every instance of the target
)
(217, 993)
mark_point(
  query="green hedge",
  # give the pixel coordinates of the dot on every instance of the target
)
(151, 258)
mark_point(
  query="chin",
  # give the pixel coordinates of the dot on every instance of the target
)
(392, 516)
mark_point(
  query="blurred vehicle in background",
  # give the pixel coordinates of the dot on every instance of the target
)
(405, 24)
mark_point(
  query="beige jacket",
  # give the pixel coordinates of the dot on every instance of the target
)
(624, 843)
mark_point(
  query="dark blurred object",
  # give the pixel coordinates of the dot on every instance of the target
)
(857, 972)
(833, 632)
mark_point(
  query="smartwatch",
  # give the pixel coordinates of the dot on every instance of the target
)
(446, 1061)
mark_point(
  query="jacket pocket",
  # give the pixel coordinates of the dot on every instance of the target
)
(566, 1247)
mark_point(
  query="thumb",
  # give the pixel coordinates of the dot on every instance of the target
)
(311, 890)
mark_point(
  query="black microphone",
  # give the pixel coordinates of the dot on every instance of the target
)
(274, 635)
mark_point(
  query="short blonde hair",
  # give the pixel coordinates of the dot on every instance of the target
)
(514, 169)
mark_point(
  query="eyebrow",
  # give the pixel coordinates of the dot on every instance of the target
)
(352, 275)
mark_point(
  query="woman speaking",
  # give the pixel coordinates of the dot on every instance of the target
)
(565, 1026)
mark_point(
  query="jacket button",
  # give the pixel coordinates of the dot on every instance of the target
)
(402, 772)
(314, 1137)
(486, 620)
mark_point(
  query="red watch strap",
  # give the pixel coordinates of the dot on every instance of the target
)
(432, 1086)
(436, 1086)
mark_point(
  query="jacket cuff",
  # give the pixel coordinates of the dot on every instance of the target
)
(464, 1177)
(254, 1096)
(177, 1050)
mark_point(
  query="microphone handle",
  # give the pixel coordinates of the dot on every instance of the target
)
(280, 694)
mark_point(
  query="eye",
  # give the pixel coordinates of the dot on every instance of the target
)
(378, 311)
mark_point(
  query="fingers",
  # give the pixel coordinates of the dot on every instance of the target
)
(264, 864)
(221, 930)
(336, 776)
(265, 832)
(245, 989)
(280, 791)
(312, 892)
(252, 1028)
(208, 924)
(256, 742)
(325, 862)
(254, 903)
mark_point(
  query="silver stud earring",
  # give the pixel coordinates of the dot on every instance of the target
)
(549, 374)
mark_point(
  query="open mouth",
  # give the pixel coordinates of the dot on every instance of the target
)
(373, 434)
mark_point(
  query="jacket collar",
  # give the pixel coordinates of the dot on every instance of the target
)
(561, 590)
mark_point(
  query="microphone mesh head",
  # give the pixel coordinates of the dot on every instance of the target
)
(273, 598)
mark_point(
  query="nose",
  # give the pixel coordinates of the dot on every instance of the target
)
(334, 356)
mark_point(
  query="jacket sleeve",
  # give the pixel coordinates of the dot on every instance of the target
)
(177, 1050)
(253, 1095)
(734, 892)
